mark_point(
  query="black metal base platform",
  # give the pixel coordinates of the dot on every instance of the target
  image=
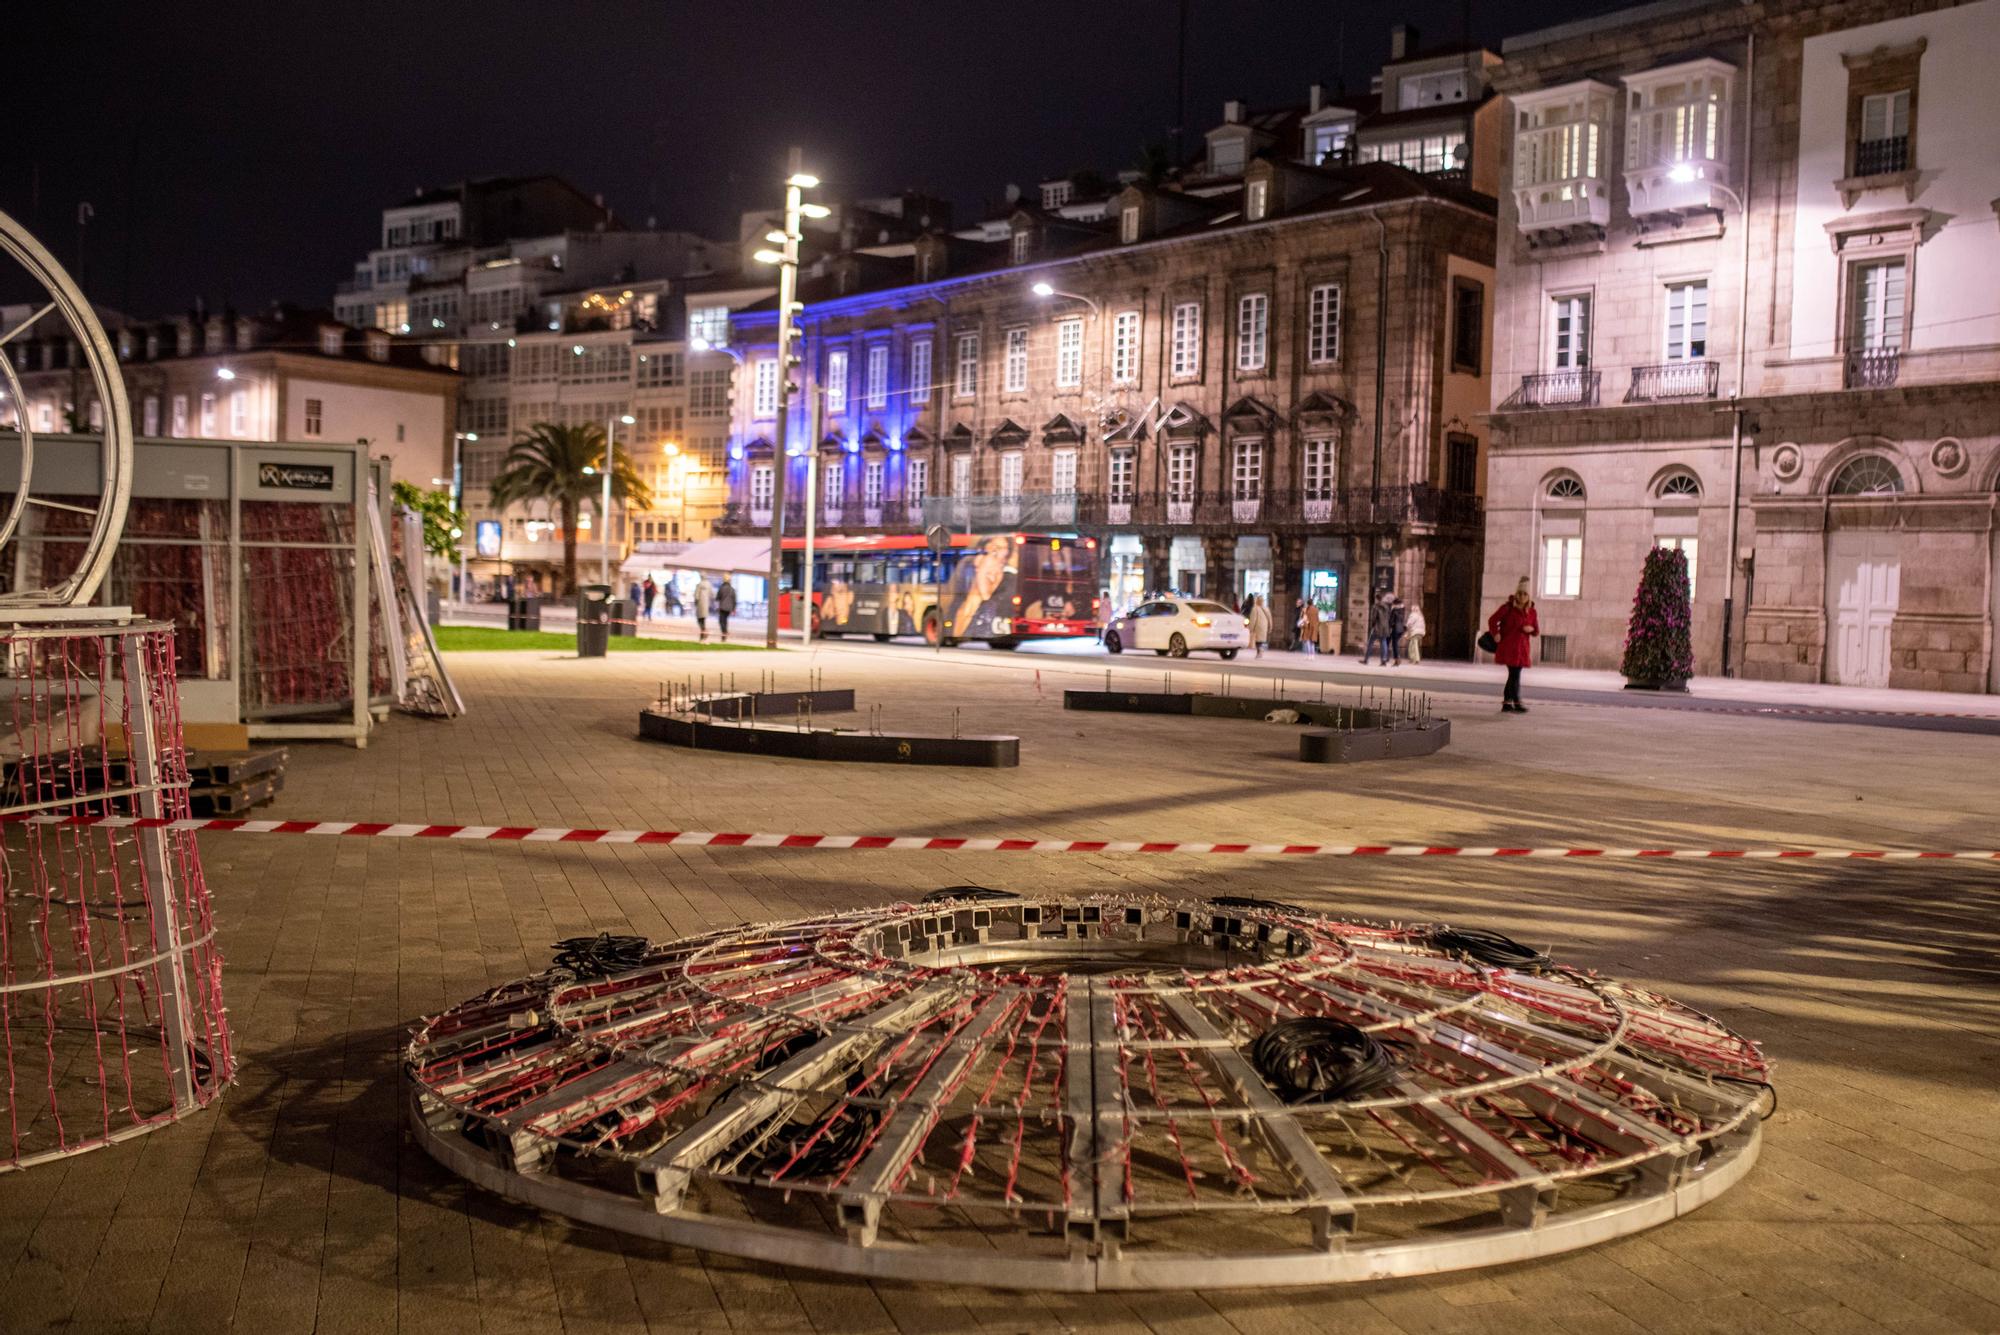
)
(1339, 732)
(773, 705)
(788, 740)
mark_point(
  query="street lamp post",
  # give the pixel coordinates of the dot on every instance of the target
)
(797, 182)
(459, 438)
(604, 506)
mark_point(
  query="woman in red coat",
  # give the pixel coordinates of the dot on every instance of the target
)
(1512, 625)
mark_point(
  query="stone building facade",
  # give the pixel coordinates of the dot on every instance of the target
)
(1212, 387)
(1745, 267)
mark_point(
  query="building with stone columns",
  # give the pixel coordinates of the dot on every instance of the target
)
(1273, 385)
(1747, 307)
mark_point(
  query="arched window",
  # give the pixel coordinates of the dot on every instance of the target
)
(1867, 475)
(1561, 524)
(1565, 489)
(1680, 487)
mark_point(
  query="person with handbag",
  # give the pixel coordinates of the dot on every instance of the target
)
(1508, 632)
(1308, 625)
(1413, 633)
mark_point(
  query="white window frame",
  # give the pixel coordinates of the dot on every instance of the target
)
(874, 474)
(1253, 331)
(1125, 348)
(180, 416)
(315, 417)
(916, 479)
(1246, 470)
(1565, 354)
(1874, 321)
(1186, 361)
(149, 416)
(965, 373)
(1256, 200)
(878, 375)
(1011, 470)
(961, 474)
(1121, 475)
(1019, 246)
(1128, 224)
(764, 391)
(836, 380)
(1062, 472)
(763, 484)
(1687, 321)
(1317, 467)
(1562, 565)
(920, 370)
(1182, 466)
(208, 416)
(1323, 324)
(1890, 113)
(1069, 353)
(833, 482)
(1014, 378)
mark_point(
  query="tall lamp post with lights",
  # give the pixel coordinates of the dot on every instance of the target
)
(604, 503)
(1685, 174)
(786, 257)
(458, 440)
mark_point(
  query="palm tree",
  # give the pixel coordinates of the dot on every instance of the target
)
(558, 464)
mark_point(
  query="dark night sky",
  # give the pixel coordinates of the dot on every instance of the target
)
(242, 151)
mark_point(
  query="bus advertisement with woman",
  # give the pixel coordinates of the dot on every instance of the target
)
(1002, 588)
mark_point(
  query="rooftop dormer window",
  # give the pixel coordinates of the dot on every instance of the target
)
(1128, 224)
(1055, 194)
(1431, 90)
(1019, 245)
(330, 340)
(1256, 200)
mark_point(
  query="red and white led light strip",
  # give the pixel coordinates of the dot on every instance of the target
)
(528, 834)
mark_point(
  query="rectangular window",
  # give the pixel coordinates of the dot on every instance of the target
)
(920, 370)
(1128, 224)
(1246, 470)
(180, 419)
(330, 341)
(1125, 347)
(1687, 320)
(239, 413)
(1016, 376)
(833, 483)
(1468, 326)
(1257, 200)
(1187, 340)
(96, 416)
(708, 391)
(1570, 343)
(1562, 567)
(658, 370)
(1253, 329)
(1180, 473)
(315, 416)
(1461, 464)
(708, 326)
(760, 488)
(1010, 473)
(871, 484)
(1876, 306)
(1062, 472)
(1323, 325)
(878, 375)
(1885, 117)
(1069, 354)
(917, 479)
(149, 416)
(1020, 247)
(1318, 469)
(208, 415)
(764, 395)
(1687, 547)
(1328, 142)
(1124, 468)
(836, 381)
(966, 383)
(961, 474)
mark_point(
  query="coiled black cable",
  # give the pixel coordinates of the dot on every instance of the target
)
(1488, 947)
(1313, 1059)
(947, 894)
(1253, 902)
(600, 956)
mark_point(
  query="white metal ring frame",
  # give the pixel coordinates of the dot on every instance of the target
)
(100, 363)
(1063, 1096)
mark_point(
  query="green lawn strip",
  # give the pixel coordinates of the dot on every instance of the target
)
(486, 639)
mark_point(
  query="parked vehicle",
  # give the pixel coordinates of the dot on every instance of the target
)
(1177, 627)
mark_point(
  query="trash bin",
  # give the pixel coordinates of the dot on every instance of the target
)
(433, 607)
(524, 614)
(593, 620)
(624, 617)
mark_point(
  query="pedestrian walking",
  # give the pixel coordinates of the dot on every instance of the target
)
(1508, 631)
(725, 603)
(1378, 631)
(1413, 633)
(651, 592)
(1309, 625)
(704, 599)
(1399, 613)
(1259, 617)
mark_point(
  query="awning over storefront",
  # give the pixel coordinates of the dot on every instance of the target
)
(736, 556)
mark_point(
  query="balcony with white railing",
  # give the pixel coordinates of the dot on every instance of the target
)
(1180, 509)
(1244, 508)
(1118, 510)
(1562, 137)
(1692, 378)
(1677, 137)
(1062, 507)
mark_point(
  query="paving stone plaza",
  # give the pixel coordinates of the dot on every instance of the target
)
(299, 1202)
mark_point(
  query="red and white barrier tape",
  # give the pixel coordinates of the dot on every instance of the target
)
(529, 834)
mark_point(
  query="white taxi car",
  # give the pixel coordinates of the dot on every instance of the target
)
(1178, 627)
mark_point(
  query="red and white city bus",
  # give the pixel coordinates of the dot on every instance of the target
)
(1002, 588)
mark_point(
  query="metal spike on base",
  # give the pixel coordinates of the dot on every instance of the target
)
(1071, 1095)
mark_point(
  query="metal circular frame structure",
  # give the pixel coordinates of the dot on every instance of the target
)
(1068, 1096)
(100, 362)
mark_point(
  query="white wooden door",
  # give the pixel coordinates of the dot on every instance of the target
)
(1864, 573)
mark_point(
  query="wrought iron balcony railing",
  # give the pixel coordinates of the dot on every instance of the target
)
(1873, 368)
(1693, 379)
(1882, 157)
(1556, 389)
